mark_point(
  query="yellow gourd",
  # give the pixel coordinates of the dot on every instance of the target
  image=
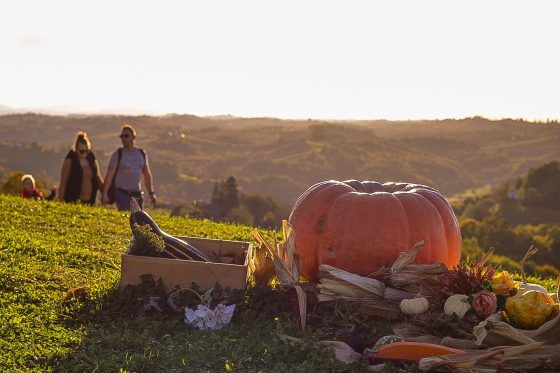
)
(532, 309)
(415, 306)
(457, 304)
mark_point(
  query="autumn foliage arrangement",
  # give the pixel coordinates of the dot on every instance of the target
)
(392, 251)
(483, 291)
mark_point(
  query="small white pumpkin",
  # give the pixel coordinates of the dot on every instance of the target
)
(523, 288)
(457, 304)
(414, 306)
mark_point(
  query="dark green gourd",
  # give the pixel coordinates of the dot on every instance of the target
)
(174, 246)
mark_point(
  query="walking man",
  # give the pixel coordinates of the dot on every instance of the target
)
(127, 167)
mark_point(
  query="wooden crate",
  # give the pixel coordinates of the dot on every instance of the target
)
(184, 272)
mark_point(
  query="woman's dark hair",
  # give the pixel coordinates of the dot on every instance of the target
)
(81, 138)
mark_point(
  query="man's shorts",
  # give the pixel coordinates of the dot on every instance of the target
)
(122, 198)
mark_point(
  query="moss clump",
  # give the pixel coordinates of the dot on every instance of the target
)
(146, 242)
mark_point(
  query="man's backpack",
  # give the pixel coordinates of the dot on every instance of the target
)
(111, 191)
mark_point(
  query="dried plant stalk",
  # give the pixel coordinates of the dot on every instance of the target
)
(406, 257)
(286, 264)
(396, 295)
(530, 252)
(487, 256)
(282, 272)
(381, 310)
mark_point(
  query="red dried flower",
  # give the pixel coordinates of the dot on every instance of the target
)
(465, 279)
(485, 303)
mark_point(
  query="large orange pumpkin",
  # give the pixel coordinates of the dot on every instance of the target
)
(362, 226)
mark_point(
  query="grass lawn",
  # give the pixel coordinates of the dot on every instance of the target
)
(48, 248)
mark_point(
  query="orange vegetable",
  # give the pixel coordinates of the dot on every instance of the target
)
(414, 351)
(360, 227)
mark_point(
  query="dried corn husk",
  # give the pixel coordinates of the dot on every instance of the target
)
(369, 285)
(417, 273)
(286, 264)
(497, 357)
(494, 331)
(396, 295)
(403, 273)
(336, 284)
(336, 289)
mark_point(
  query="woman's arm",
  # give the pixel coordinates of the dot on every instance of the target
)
(64, 175)
(149, 182)
(108, 180)
(111, 171)
(99, 178)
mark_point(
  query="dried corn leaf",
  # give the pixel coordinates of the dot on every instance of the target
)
(292, 257)
(282, 272)
(302, 305)
(286, 264)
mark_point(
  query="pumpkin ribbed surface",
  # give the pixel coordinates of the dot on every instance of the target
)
(361, 226)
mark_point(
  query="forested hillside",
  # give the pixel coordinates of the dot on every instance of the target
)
(515, 215)
(282, 158)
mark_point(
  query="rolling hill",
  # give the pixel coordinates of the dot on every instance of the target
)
(283, 157)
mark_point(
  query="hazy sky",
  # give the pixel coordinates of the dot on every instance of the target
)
(292, 59)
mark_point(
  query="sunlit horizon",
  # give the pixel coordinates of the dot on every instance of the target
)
(356, 60)
(54, 111)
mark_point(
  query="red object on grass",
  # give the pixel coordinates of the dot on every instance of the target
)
(33, 193)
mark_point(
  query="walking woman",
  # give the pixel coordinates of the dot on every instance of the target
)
(80, 179)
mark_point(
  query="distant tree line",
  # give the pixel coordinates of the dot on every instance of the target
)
(515, 216)
(229, 203)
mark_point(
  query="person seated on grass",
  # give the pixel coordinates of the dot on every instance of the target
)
(28, 188)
